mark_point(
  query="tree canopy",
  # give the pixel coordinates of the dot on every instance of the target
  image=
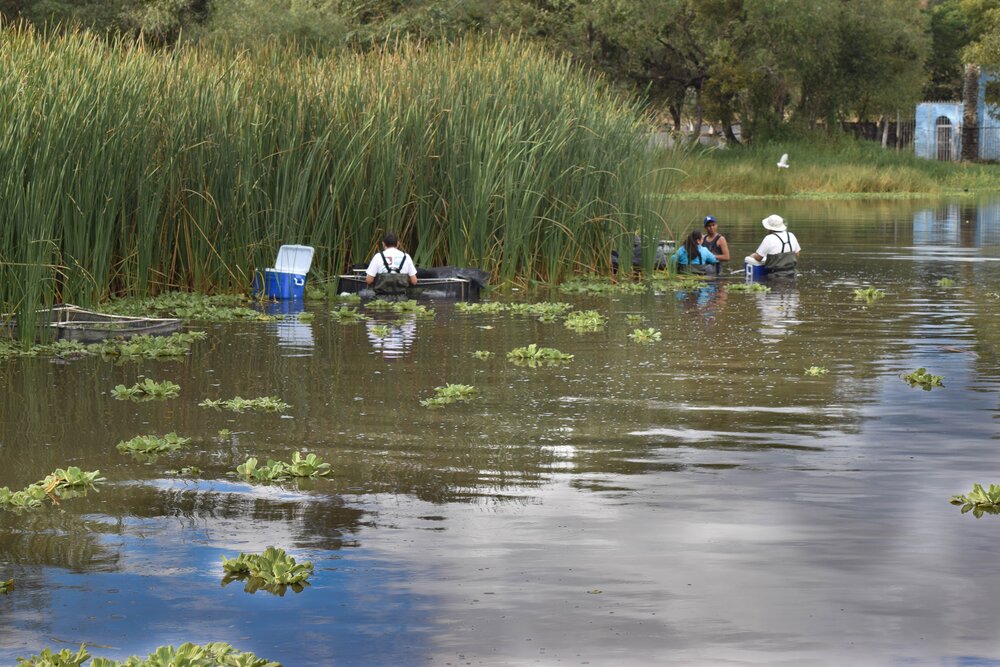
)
(770, 65)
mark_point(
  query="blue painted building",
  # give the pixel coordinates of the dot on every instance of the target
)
(938, 132)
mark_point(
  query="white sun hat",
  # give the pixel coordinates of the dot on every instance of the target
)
(774, 222)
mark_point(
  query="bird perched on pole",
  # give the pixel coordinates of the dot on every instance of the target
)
(783, 162)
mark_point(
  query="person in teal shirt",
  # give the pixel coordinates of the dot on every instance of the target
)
(692, 257)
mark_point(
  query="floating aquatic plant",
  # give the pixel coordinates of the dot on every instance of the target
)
(869, 294)
(411, 307)
(379, 304)
(6, 586)
(216, 654)
(346, 297)
(482, 354)
(545, 311)
(585, 320)
(450, 393)
(482, 308)
(646, 335)
(816, 371)
(748, 287)
(192, 471)
(980, 500)
(62, 483)
(147, 390)
(302, 465)
(138, 347)
(151, 444)
(946, 282)
(921, 378)
(633, 319)
(347, 315)
(380, 330)
(240, 404)
(305, 316)
(532, 355)
(273, 571)
(224, 433)
(679, 283)
(600, 285)
(189, 306)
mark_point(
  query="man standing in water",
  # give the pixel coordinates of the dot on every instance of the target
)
(391, 270)
(715, 242)
(779, 251)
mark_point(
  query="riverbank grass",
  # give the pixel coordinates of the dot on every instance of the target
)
(842, 168)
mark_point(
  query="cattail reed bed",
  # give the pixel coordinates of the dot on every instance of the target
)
(129, 170)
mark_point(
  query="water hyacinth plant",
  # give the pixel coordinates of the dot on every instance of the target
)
(544, 311)
(816, 371)
(633, 318)
(138, 347)
(394, 129)
(481, 308)
(482, 355)
(62, 483)
(869, 294)
(302, 465)
(980, 501)
(946, 282)
(6, 586)
(380, 330)
(921, 378)
(347, 315)
(649, 335)
(585, 320)
(532, 355)
(748, 287)
(192, 306)
(448, 394)
(147, 390)
(273, 571)
(240, 404)
(151, 444)
(216, 654)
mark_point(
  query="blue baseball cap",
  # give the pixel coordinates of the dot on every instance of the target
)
(708, 219)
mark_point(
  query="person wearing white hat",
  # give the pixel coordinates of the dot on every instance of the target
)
(779, 251)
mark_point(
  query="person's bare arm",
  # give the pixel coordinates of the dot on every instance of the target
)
(413, 279)
(724, 247)
(759, 258)
(369, 279)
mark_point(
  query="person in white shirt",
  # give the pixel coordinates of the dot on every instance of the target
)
(779, 251)
(391, 269)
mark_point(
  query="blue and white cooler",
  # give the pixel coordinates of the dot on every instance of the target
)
(287, 280)
(754, 272)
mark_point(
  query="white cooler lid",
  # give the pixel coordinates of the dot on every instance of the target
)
(294, 259)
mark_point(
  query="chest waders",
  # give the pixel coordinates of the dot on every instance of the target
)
(691, 268)
(393, 282)
(782, 263)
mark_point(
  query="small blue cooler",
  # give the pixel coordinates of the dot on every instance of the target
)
(287, 280)
(755, 272)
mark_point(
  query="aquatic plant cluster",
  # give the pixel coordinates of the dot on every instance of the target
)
(979, 501)
(151, 444)
(921, 378)
(217, 654)
(272, 571)
(152, 192)
(191, 306)
(138, 347)
(60, 484)
(240, 404)
(147, 390)
(448, 394)
(302, 465)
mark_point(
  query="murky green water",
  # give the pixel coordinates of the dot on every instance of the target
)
(693, 501)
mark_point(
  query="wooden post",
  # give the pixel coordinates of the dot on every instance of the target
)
(970, 114)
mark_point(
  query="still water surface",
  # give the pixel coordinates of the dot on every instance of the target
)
(693, 501)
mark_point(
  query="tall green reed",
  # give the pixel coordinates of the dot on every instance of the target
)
(132, 171)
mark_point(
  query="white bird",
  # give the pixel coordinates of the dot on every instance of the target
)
(783, 162)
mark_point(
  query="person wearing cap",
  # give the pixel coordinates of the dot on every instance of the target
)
(779, 251)
(715, 242)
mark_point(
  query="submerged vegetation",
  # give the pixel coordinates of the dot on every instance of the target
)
(273, 571)
(122, 186)
(240, 404)
(217, 654)
(921, 378)
(448, 394)
(980, 501)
